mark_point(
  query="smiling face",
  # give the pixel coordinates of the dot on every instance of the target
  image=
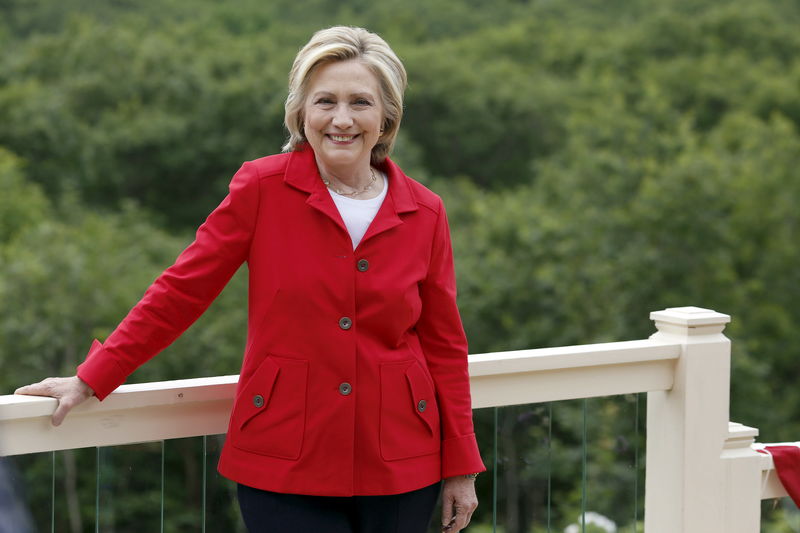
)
(343, 114)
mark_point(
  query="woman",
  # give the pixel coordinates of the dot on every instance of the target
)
(353, 400)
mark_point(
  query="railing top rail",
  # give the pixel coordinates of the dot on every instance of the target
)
(132, 396)
(185, 391)
(567, 357)
(771, 486)
(201, 406)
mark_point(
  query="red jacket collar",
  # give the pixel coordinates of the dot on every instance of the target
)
(302, 173)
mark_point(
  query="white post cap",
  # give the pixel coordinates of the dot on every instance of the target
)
(690, 317)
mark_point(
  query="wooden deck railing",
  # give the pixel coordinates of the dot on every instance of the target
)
(703, 474)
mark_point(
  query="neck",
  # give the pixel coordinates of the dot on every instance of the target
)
(353, 176)
(353, 184)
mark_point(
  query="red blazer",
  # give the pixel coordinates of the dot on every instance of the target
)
(354, 378)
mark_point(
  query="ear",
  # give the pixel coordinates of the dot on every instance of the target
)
(301, 123)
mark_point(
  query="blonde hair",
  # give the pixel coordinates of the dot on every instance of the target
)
(342, 43)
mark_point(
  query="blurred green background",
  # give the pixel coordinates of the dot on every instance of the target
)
(599, 160)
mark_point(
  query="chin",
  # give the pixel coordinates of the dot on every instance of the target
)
(337, 158)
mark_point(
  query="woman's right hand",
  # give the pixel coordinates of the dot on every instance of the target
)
(68, 391)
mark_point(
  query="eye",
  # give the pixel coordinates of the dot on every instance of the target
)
(362, 102)
(324, 101)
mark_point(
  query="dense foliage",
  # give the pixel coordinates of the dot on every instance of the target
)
(599, 160)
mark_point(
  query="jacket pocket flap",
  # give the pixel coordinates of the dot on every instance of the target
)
(254, 397)
(423, 396)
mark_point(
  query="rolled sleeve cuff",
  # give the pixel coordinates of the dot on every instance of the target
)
(460, 456)
(100, 371)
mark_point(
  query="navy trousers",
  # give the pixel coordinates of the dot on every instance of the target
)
(274, 512)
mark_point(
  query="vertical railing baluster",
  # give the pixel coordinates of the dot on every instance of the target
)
(549, 463)
(97, 491)
(205, 476)
(636, 437)
(583, 470)
(163, 486)
(494, 472)
(53, 494)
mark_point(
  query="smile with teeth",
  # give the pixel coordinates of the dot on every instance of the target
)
(341, 138)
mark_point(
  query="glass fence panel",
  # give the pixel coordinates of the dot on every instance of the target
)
(129, 487)
(26, 485)
(221, 506)
(183, 485)
(613, 493)
(548, 464)
(557, 462)
(523, 468)
(56, 489)
(75, 493)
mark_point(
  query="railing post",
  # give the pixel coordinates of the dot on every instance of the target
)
(687, 427)
(742, 466)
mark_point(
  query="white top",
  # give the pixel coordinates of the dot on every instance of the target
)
(358, 214)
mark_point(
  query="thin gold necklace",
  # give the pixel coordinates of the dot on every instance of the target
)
(351, 194)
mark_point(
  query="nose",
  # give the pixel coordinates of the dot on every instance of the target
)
(342, 118)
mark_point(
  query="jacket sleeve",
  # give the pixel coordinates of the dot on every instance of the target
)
(182, 292)
(445, 346)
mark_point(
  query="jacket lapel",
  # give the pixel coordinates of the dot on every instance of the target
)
(399, 199)
(302, 173)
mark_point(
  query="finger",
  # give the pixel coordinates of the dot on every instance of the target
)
(448, 517)
(464, 517)
(470, 511)
(65, 405)
(60, 414)
(35, 389)
(460, 517)
(467, 519)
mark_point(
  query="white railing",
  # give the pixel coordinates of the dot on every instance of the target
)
(703, 474)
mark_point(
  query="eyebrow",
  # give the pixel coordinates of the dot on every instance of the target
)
(367, 95)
